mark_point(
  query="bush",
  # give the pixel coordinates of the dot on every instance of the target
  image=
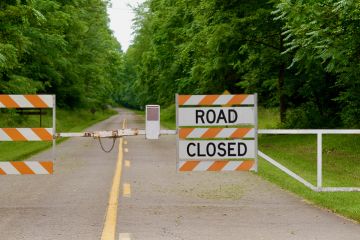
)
(308, 115)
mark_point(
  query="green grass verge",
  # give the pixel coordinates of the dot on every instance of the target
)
(341, 163)
(341, 168)
(168, 117)
(268, 118)
(66, 120)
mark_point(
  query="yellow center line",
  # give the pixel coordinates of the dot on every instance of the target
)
(124, 123)
(109, 230)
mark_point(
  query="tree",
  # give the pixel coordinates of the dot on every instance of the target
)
(63, 47)
(324, 38)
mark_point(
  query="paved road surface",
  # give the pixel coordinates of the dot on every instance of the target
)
(155, 201)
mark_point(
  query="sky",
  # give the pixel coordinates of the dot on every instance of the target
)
(121, 16)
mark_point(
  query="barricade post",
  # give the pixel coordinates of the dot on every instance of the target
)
(28, 134)
(216, 132)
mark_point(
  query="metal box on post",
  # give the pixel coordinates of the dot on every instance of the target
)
(152, 122)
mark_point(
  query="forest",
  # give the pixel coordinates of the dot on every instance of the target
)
(301, 57)
(61, 47)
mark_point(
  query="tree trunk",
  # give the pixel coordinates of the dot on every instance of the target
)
(281, 80)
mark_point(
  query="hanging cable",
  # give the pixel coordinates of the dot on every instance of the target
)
(112, 147)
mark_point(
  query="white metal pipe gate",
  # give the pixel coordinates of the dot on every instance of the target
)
(319, 132)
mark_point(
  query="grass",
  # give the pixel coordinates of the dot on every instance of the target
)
(167, 116)
(341, 168)
(268, 118)
(66, 120)
(341, 163)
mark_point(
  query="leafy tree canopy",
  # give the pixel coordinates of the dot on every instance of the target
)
(300, 56)
(62, 47)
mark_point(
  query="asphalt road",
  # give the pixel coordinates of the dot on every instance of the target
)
(155, 202)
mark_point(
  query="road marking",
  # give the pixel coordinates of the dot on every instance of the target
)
(126, 150)
(125, 236)
(127, 163)
(125, 142)
(127, 190)
(124, 123)
(111, 214)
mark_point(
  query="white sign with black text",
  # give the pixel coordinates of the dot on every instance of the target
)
(215, 116)
(218, 149)
(215, 131)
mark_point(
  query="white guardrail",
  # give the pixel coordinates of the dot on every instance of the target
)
(319, 132)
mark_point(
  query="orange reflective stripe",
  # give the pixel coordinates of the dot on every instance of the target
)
(36, 101)
(246, 165)
(49, 166)
(22, 168)
(240, 132)
(8, 101)
(237, 99)
(2, 172)
(189, 165)
(183, 98)
(184, 132)
(217, 166)
(14, 134)
(42, 134)
(208, 99)
(211, 132)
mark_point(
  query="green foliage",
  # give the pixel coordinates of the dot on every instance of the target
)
(62, 47)
(324, 38)
(300, 56)
(185, 47)
(168, 117)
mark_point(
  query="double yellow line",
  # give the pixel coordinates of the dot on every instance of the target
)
(109, 231)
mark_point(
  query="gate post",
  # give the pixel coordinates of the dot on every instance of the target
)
(54, 127)
(319, 160)
(256, 126)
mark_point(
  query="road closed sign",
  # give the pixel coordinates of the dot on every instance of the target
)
(217, 131)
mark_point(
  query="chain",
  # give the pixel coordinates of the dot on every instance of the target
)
(102, 147)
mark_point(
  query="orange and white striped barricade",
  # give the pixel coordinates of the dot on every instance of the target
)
(217, 132)
(28, 134)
